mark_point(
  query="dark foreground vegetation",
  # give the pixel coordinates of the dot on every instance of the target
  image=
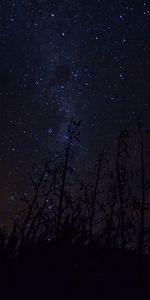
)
(62, 270)
(81, 237)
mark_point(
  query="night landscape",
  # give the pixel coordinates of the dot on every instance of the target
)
(75, 149)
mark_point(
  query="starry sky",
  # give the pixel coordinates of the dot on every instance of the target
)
(62, 59)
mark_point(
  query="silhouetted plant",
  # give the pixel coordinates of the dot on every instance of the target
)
(121, 170)
(104, 210)
(73, 132)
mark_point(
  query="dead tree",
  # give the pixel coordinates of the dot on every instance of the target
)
(121, 181)
(37, 219)
(143, 201)
(109, 215)
(89, 196)
(31, 207)
(94, 194)
(73, 131)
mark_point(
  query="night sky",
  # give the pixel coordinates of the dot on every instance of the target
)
(62, 59)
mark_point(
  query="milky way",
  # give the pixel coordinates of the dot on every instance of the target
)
(61, 59)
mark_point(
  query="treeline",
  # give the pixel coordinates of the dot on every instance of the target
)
(108, 206)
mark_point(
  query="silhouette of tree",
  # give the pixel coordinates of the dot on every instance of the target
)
(121, 170)
(73, 133)
(143, 189)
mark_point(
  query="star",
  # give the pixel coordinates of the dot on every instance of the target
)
(88, 60)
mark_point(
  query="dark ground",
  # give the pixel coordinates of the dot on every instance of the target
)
(56, 273)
